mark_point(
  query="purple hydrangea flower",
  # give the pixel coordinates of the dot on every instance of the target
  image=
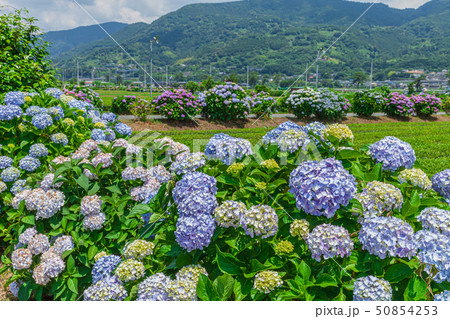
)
(5, 162)
(42, 120)
(38, 150)
(195, 232)
(194, 183)
(109, 288)
(122, 129)
(434, 252)
(110, 117)
(15, 98)
(29, 163)
(321, 188)
(329, 241)
(272, 136)
(10, 112)
(55, 92)
(98, 135)
(436, 220)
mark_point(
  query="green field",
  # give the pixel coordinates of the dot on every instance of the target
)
(431, 141)
(108, 95)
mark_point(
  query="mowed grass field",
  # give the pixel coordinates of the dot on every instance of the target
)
(108, 95)
(431, 141)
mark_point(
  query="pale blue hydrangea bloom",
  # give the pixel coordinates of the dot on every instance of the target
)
(441, 183)
(371, 288)
(393, 153)
(329, 241)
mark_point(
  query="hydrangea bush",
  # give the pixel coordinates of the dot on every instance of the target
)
(398, 104)
(426, 104)
(110, 220)
(177, 105)
(367, 102)
(225, 102)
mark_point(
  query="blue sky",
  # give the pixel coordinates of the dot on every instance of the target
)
(66, 14)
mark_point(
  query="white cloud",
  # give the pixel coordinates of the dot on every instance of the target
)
(66, 14)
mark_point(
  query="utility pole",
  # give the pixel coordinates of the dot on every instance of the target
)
(371, 73)
(63, 77)
(317, 69)
(248, 70)
(78, 73)
(155, 39)
(145, 76)
(210, 69)
(306, 74)
(167, 76)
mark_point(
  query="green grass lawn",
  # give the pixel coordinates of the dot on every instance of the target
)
(431, 141)
(108, 96)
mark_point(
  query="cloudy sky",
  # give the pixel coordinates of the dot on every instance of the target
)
(66, 14)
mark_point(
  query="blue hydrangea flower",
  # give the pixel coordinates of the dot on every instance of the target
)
(98, 135)
(383, 236)
(188, 163)
(10, 112)
(272, 136)
(194, 183)
(195, 232)
(104, 267)
(110, 117)
(321, 188)
(29, 163)
(199, 203)
(34, 110)
(10, 174)
(56, 111)
(393, 153)
(59, 138)
(371, 288)
(434, 252)
(5, 162)
(55, 92)
(441, 183)
(110, 135)
(329, 241)
(109, 288)
(38, 150)
(227, 149)
(443, 296)
(76, 104)
(42, 120)
(154, 288)
(122, 129)
(19, 186)
(15, 98)
(436, 220)
(315, 128)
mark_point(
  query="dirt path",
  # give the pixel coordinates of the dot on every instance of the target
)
(206, 125)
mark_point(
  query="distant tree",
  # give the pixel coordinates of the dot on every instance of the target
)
(233, 77)
(253, 78)
(24, 62)
(277, 79)
(207, 84)
(178, 77)
(73, 81)
(359, 78)
(119, 80)
(261, 88)
(192, 86)
(416, 85)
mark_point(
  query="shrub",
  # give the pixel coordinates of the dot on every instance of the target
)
(399, 104)
(367, 102)
(426, 104)
(262, 105)
(122, 104)
(446, 104)
(24, 63)
(323, 103)
(225, 102)
(141, 109)
(177, 105)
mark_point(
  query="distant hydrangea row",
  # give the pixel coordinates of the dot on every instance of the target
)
(393, 153)
(328, 241)
(378, 197)
(227, 149)
(371, 288)
(329, 179)
(387, 236)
